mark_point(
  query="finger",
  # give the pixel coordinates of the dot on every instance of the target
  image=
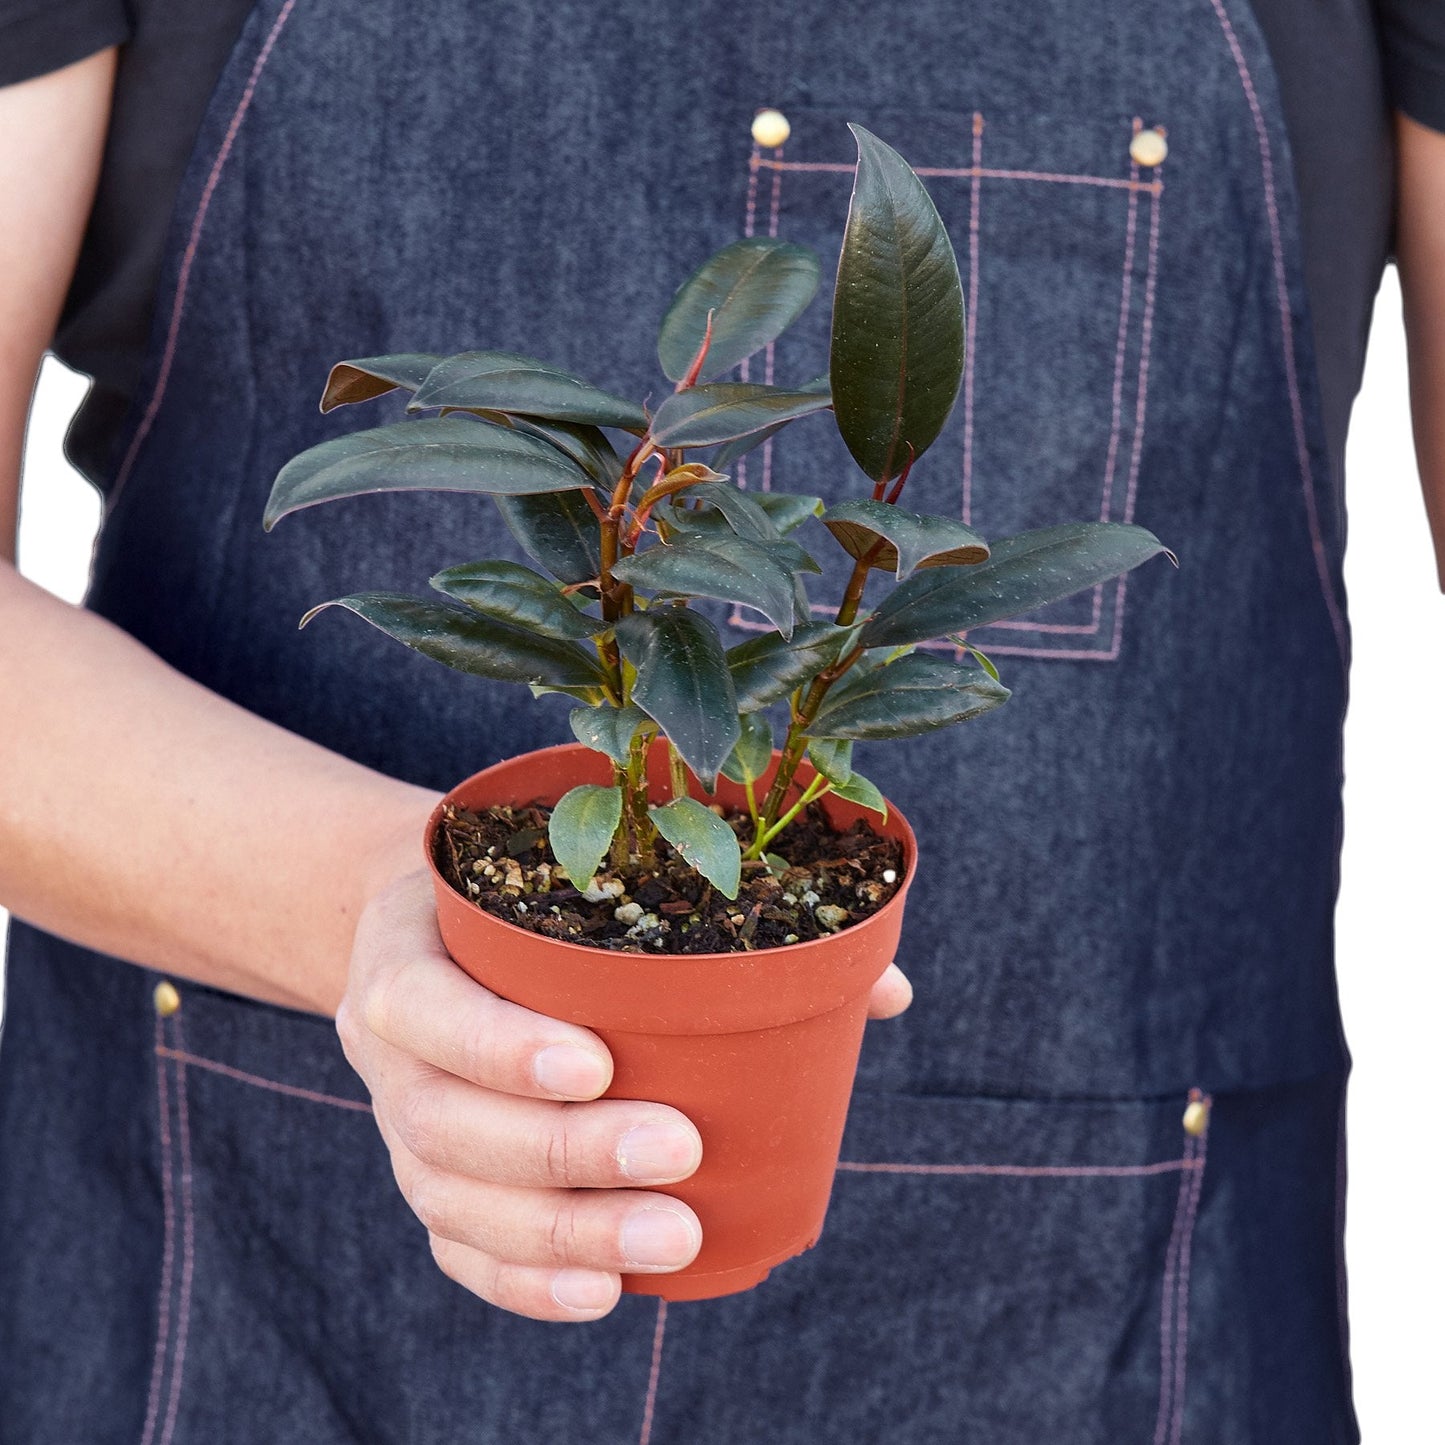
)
(567, 1295)
(605, 1144)
(418, 1000)
(891, 994)
(608, 1230)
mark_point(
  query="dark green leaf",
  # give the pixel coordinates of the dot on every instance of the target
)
(802, 607)
(683, 683)
(916, 694)
(607, 729)
(468, 642)
(865, 794)
(729, 452)
(896, 357)
(497, 418)
(756, 288)
(504, 381)
(904, 540)
(754, 751)
(711, 524)
(767, 668)
(440, 454)
(586, 445)
(788, 509)
(518, 595)
(581, 828)
(740, 508)
(1021, 574)
(723, 566)
(833, 758)
(703, 840)
(722, 410)
(370, 376)
(559, 530)
(592, 696)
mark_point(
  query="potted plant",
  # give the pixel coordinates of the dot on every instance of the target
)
(716, 907)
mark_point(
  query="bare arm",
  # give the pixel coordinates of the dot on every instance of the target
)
(141, 814)
(1420, 254)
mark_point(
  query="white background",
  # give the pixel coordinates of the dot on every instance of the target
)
(1391, 933)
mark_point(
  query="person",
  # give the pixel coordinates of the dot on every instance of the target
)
(255, 1127)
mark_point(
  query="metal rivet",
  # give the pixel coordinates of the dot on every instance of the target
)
(1148, 148)
(168, 1000)
(1196, 1117)
(770, 127)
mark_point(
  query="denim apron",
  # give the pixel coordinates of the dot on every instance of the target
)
(1091, 1188)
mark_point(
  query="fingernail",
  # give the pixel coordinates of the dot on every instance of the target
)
(582, 1289)
(572, 1072)
(658, 1237)
(656, 1153)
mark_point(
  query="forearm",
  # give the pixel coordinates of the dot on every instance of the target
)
(144, 816)
(1420, 254)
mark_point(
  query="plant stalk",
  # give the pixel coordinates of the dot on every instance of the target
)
(796, 743)
(678, 770)
(815, 790)
(636, 824)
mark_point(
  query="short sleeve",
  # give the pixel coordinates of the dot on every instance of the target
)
(1414, 43)
(38, 36)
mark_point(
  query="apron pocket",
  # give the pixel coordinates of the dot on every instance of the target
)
(1055, 228)
(998, 1272)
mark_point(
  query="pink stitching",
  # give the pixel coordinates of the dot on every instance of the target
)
(1114, 183)
(1084, 628)
(188, 259)
(968, 362)
(1063, 654)
(1028, 1171)
(1119, 593)
(1126, 291)
(655, 1374)
(239, 1074)
(1136, 445)
(777, 186)
(1146, 337)
(1166, 1318)
(754, 161)
(749, 225)
(158, 1362)
(1174, 1324)
(773, 213)
(1181, 1316)
(1281, 287)
(188, 1242)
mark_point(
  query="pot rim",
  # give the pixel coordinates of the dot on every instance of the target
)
(813, 946)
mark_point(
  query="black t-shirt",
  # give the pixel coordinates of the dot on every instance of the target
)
(1329, 55)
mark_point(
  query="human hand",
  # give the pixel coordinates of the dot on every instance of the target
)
(532, 1189)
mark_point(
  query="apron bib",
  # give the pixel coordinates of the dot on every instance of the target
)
(1129, 872)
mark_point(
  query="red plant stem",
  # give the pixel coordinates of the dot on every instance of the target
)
(647, 502)
(614, 602)
(692, 372)
(892, 496)
(853, 593)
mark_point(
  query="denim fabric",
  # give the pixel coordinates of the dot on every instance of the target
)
(1129, 871)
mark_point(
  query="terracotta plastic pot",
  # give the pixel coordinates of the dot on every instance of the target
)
(758, 1049)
